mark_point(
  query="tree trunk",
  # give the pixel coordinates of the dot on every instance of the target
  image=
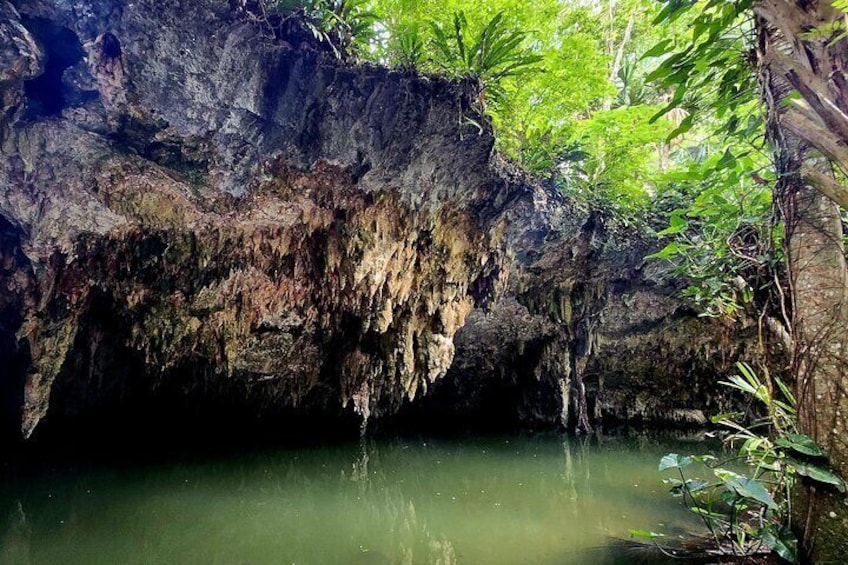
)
(818, 275)
(814, 248)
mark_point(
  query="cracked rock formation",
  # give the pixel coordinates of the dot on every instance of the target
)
(202, 219)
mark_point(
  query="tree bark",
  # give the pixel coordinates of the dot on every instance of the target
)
(814, 246)
(818, 274)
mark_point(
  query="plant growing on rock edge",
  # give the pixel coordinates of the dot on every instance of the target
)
(347, 25)
(749, 511)
(344, 25)
(407, 46)
(494, 54)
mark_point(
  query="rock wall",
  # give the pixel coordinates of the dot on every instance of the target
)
(199, 214)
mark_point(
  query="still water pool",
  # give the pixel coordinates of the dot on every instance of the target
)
(539, 499)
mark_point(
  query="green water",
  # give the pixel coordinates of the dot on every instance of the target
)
(495, 500)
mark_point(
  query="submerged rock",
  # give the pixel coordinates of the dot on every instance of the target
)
(198, 217)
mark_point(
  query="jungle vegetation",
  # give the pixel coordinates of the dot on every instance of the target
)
(719, 127)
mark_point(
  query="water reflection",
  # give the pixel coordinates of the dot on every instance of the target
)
(15, 539)
(541, 499)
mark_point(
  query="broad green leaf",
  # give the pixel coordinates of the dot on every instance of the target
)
(817, 473)
(677, 224)
(784, 544)
(753, 446)
(660, 48)
(675, 461)
(668, 251)
(746, 487)
(801, 444)
(685, 125)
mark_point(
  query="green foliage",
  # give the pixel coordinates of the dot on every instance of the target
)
(675, 461)
(347, 26)
(623, 144)
(407, 46)
(708, 68)
(724, 238)
(748, 507)
(489, 57)
(537, 123)
(350, 21)
(633, 90)
(722, 241)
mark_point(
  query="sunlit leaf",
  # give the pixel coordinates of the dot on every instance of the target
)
(746, 487)
(675, 461)
(644, 534)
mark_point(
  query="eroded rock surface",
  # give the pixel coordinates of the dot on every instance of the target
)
(195, 213)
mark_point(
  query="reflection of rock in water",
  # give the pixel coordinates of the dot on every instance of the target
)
(443, 552)
(359, 473)
(577, 486)
(411, 540)
(439, 553)
(15, 540)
